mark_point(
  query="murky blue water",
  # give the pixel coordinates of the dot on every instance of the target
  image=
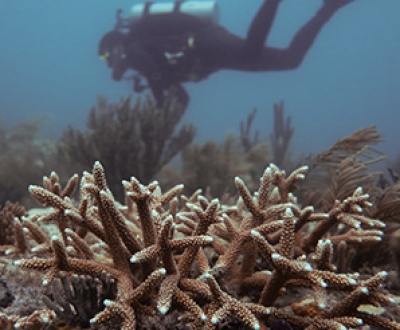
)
(349, 80)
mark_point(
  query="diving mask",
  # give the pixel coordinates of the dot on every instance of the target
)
(105, 56)
(114, 56)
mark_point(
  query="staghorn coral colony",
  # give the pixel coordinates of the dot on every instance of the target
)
(313, 248)
(163, 260)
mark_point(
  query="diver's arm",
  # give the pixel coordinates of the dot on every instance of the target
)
(142, 61)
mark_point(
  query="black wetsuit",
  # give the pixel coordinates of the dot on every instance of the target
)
(170, 49)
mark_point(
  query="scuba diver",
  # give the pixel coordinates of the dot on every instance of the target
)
(168, 49)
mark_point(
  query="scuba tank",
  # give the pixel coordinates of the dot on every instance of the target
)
(207, 10)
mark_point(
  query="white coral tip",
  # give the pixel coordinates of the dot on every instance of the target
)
(203, 317)
(214, 320)
(359, 190)
(308, 268)
(36, 248)
(273, 166)
(268, 170)
(255, 233)
(352, 281)
(206, 275)
(309, 208)
(163, 309)
(17, 262)
(107, 302)
(163, 271)
(289, 212)
(209, 239)
(304, 168)
(54, 237)
(133, 259)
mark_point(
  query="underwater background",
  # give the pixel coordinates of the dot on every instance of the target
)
(350, 79)
(212, 227)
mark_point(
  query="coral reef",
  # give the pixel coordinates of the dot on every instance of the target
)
(129, 139)
(265, 261)
(336, 172)
(212, 166)
(279, 139)
(394, 169)
(23, 159)
(139, 139)
(10, 225)
(245, 132)
(77, 299)
(282, 135)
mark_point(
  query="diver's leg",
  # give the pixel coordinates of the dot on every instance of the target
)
(291, 57)
(260, 27)
(337, 3)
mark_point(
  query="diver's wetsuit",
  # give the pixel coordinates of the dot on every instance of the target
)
(170, 49)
